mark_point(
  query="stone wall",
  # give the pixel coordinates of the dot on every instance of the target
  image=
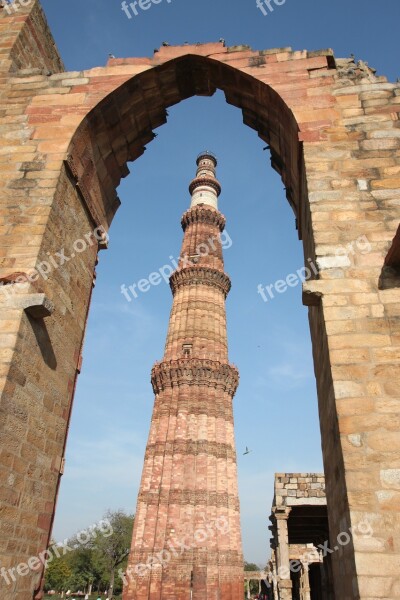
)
(299, 488)
(333, 129)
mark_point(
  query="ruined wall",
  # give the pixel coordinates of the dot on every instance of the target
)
(36, 398)
(333, 128)
(299, 488)
(28, 42)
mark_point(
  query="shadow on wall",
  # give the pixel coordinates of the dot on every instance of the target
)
(44, 342)
(389, 278)
(390, 274)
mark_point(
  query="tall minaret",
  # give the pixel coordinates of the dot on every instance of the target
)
(186, 540)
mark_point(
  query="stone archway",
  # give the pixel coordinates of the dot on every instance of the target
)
(333, 129)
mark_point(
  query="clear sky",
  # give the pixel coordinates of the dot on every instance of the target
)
(275, 407)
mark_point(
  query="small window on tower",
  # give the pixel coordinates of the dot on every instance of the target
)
(187, 350)
(194, 258)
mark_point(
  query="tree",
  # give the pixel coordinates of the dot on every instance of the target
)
(85, 566)
(251, 566)
(112, 550)
(58, 574)
(93, 557)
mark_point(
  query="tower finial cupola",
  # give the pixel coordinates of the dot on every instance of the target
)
(205, 188)
(205, 156)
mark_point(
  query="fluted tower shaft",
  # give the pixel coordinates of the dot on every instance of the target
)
(186, 540)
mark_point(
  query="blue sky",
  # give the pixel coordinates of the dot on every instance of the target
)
(276, 405)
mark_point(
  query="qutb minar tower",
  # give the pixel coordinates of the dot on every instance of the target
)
(186, 540)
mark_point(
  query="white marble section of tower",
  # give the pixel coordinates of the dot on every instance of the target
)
(205, 188)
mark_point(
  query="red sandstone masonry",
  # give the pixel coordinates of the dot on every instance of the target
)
(189, 480)
(339, 157)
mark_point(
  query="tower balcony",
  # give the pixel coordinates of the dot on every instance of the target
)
(195, 372)
(200, 276)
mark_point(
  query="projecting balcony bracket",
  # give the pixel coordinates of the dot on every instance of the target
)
(37, 306)
(312, 293)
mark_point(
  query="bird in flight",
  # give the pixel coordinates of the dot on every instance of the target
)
(247, 451)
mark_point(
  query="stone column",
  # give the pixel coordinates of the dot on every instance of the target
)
(274, 578)
(324, 582)
(305, 588)
(283, 563)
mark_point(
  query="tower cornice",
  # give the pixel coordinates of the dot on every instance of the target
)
(192, 447)
(183, 497)
(203, 214)
(205, 181)
(197, 372)
(195, 275)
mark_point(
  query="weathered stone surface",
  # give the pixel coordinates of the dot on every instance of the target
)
(36, 305)
(326, 123)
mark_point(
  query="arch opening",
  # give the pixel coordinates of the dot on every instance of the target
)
(246, 256)
(117, 130)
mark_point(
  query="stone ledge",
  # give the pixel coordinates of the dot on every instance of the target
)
(38, 306)
(192, 447)
(312, 294)
(313, 500)
(183, 497)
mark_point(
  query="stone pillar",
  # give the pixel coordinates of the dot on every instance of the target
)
(274, 576)
(324, 582)
(305, 582)
(283, 562)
